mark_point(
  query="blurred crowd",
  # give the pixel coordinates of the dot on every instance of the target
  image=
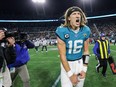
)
(47, 30)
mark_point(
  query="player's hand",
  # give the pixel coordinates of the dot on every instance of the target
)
(2, 35)
(82, 75)
(74, 79)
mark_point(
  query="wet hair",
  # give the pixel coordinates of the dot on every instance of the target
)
(69, 11)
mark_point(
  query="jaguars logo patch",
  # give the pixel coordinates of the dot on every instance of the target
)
(85, 35)
(66, 36)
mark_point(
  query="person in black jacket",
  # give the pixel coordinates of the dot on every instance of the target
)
(7, 56)
(2, 35)
(102, 51)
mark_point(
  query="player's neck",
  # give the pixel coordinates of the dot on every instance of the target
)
(75, 28)
(75, 31)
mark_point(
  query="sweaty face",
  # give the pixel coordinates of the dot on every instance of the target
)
(75, 19)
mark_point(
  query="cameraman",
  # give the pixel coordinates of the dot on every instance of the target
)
(19, 67)
(7, 56)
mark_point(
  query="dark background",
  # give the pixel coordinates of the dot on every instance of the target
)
(52, 9)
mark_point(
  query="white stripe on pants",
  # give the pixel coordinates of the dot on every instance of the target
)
(76, 68)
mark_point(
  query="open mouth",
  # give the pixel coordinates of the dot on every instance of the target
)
(77, 20)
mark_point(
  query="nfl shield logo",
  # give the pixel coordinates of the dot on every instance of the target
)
(66, 36)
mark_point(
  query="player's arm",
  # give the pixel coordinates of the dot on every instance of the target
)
(86, 48)
(85, 58)
(62, 51)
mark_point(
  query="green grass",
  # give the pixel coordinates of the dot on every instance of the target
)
(45, 68)
(94, 79)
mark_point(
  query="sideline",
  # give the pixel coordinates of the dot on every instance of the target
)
(56, 82)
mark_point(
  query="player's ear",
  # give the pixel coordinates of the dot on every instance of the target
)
(69, 18)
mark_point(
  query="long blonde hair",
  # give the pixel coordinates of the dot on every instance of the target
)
(71, 10)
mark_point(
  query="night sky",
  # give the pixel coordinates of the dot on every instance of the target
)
(26, 9)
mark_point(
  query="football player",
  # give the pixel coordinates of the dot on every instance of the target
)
(44, 45)
(73, 45)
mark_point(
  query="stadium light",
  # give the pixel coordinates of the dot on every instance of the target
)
(87, 1)
(39, 1)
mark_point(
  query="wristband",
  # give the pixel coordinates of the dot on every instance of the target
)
(69, 73)
(85, 68)
(85, 59)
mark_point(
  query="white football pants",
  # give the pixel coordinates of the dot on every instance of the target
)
(76, 68)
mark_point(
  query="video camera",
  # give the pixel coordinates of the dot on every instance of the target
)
(19, 36)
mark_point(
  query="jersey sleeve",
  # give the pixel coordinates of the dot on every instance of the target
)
(60, 33)
(88, 31)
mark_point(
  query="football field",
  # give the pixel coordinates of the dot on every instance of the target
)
(44, 69)
(94, 79)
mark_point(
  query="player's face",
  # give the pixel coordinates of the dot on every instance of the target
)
(75, 19)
